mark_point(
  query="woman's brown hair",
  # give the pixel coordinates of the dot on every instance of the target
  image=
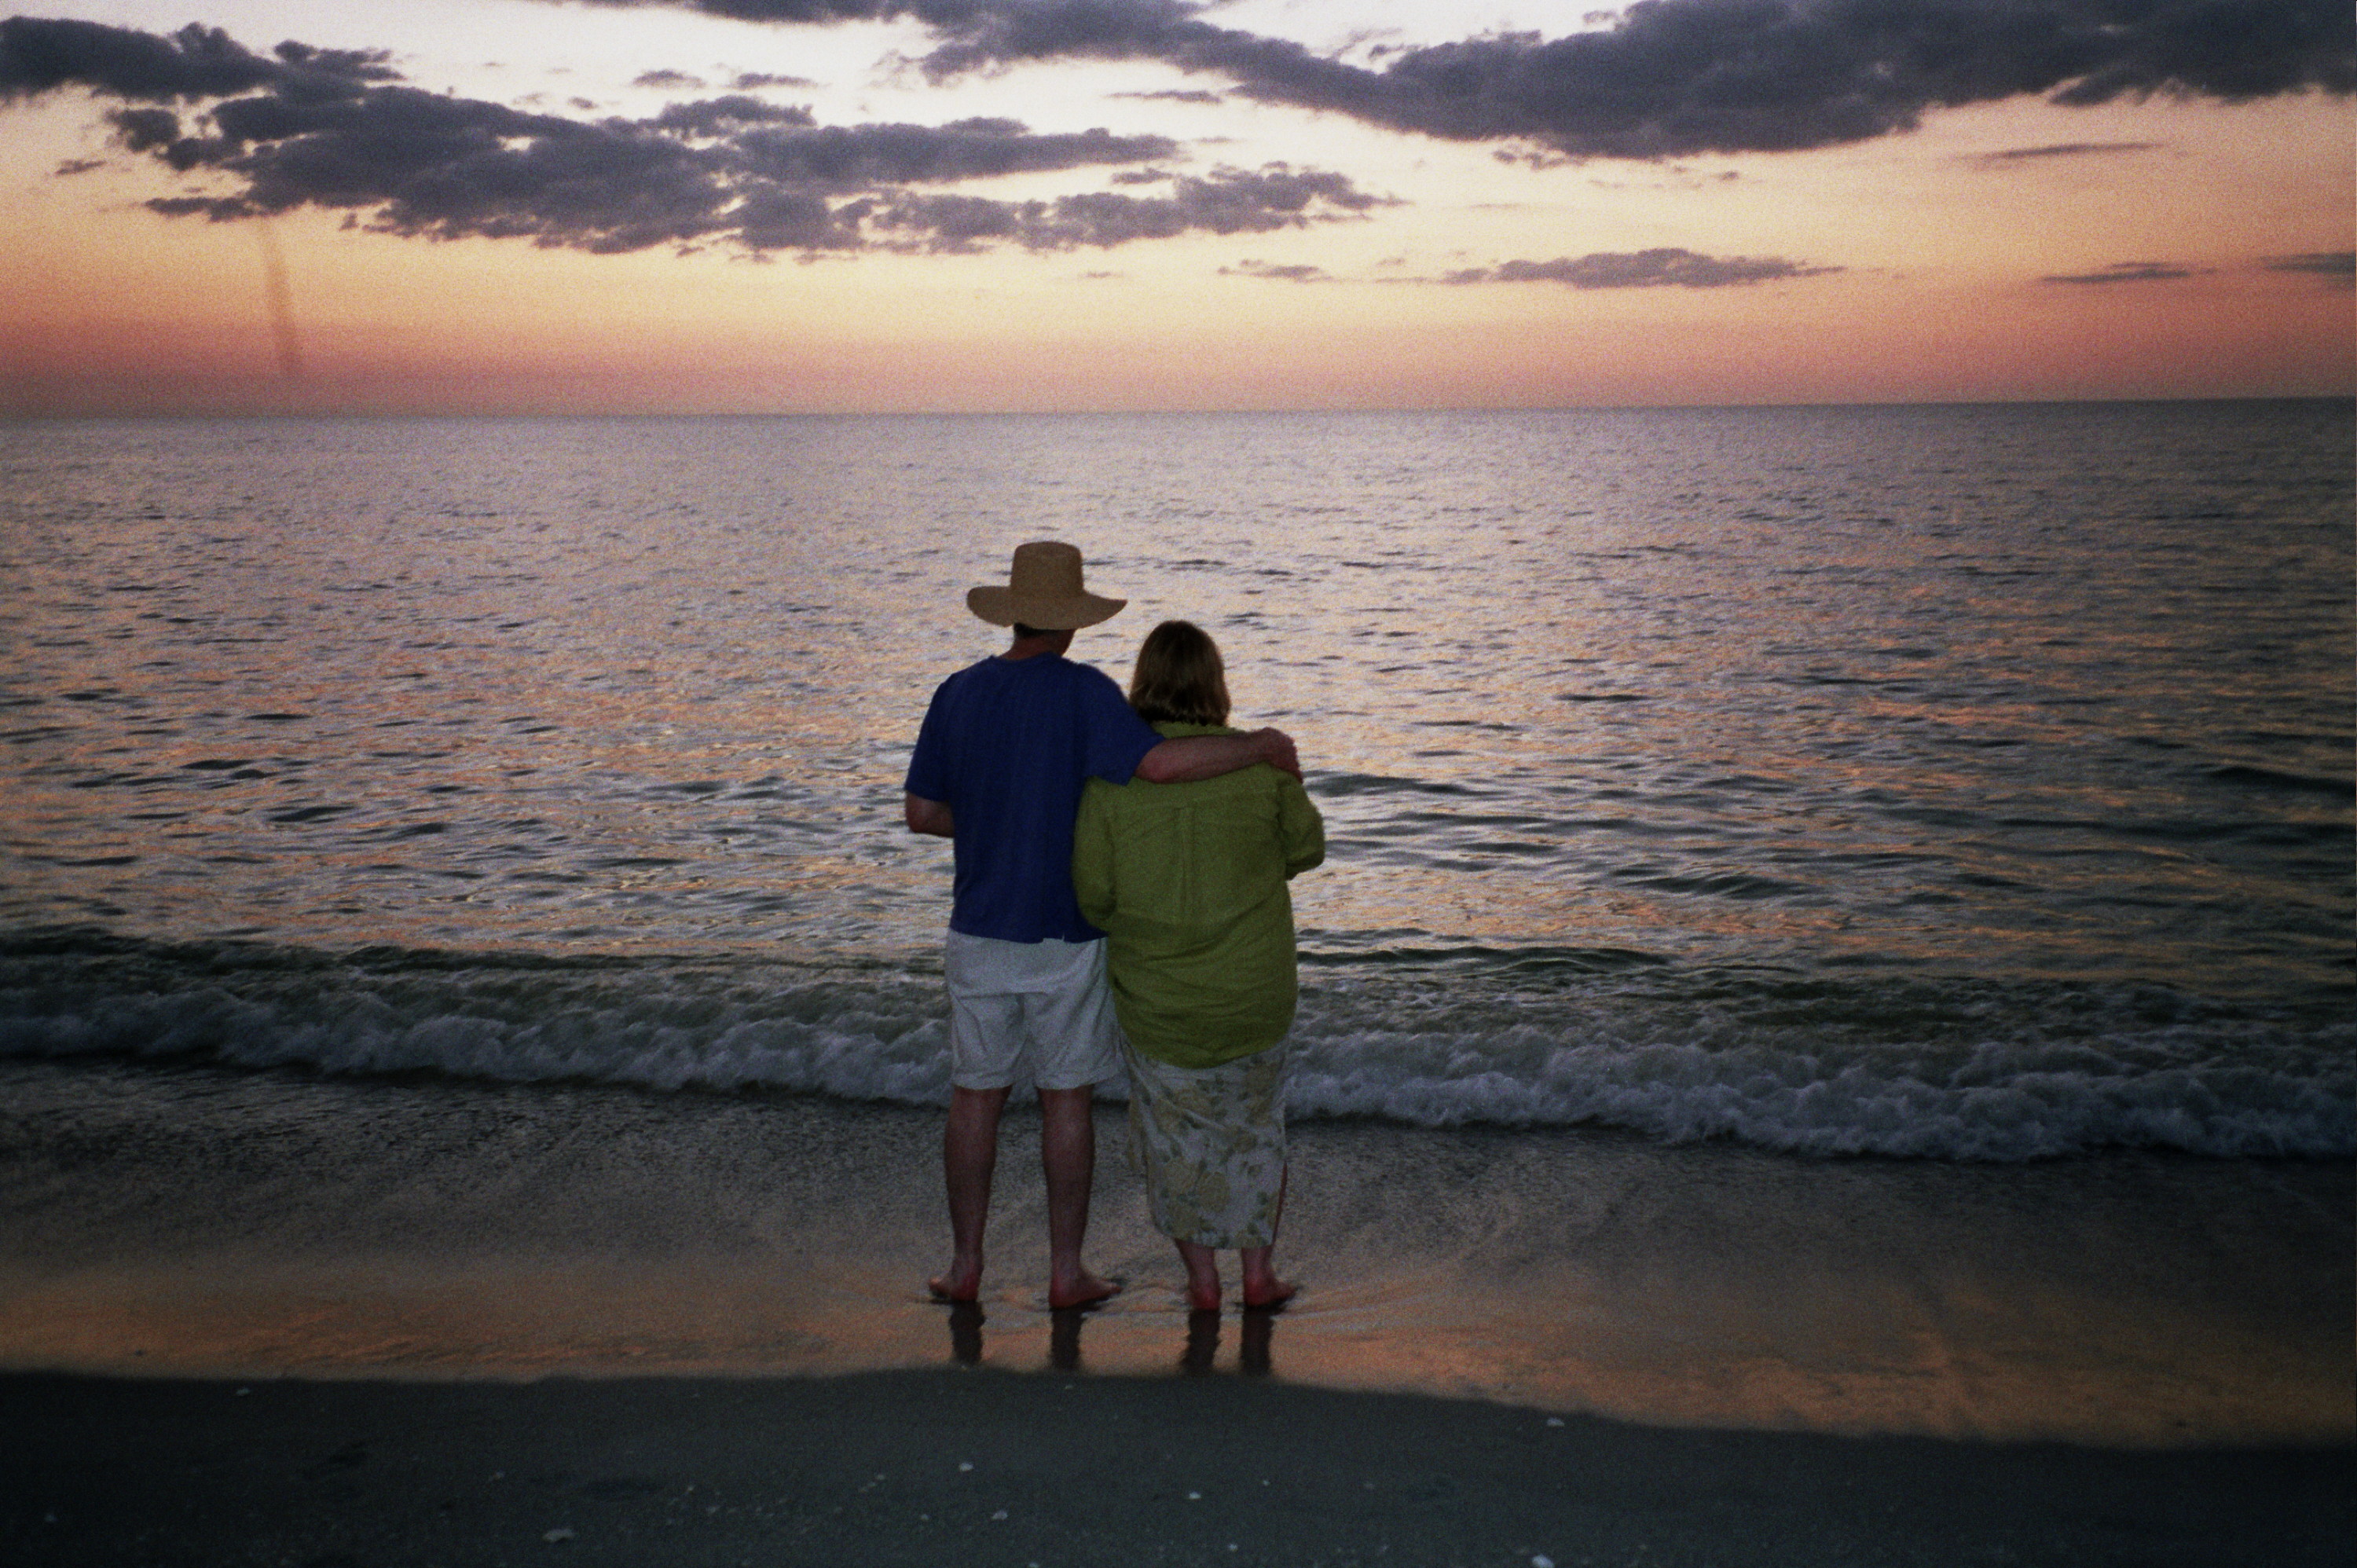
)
(1180, 678)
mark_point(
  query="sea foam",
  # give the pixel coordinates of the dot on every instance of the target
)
(1929, 1069)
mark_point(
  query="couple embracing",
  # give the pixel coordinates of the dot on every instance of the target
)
(1119, 899)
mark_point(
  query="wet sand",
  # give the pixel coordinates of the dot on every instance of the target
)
(197, 1222)
(275, 1318)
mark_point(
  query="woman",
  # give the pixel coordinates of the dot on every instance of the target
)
(1187, 881)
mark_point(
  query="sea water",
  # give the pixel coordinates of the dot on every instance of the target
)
(1970, 782)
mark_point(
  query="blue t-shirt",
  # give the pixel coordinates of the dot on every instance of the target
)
(1008, 746)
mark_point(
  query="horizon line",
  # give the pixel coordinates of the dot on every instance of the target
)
(90, 415)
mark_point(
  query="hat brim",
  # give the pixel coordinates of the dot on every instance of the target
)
(1062, 612)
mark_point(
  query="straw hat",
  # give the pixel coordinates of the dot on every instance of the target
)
(1043, 590)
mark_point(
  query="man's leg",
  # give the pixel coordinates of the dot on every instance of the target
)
(1067, 1149)
(969, 1156)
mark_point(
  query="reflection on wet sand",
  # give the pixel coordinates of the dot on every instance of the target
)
(965, 1333)
(2128, 1300)
(1947, 1356)
(1202, 1342)
(1199, 1355)
(1257, 1326)
(1064, 1338)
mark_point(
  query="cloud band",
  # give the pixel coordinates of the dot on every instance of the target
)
(341, 130)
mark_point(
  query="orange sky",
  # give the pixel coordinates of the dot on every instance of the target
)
(1919, 265)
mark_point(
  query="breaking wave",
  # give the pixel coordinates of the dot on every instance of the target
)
(1915, 1067)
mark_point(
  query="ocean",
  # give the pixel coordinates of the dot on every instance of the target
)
(1964, 785)
(1963, 782)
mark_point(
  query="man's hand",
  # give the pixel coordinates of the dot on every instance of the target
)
(1276, 749)
(928, 817)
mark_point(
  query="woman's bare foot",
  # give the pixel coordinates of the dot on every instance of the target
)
(1203, 1265)
(1084, 1289)
(1262, 1290)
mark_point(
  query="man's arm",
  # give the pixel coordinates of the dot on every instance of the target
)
(932, 816)
(1183, 759)
(1092, 887)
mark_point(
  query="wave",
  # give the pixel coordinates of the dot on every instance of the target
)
(1926, 1069)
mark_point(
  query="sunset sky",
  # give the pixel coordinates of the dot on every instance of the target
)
(688, 206)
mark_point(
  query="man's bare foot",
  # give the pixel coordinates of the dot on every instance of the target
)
(1083, 1290)
(1203, 1297)
(1268, 1295)
(956, 1283)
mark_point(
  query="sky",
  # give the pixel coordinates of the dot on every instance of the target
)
(856, 206)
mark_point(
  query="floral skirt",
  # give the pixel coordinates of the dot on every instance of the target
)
(1210, 1143)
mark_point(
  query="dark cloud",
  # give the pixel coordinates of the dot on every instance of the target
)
(2338, 266)
(2124, 272)
(677, 80)
(798, 11)
(1674, 176)
(1676, 77)
(1287, 273)
(340, 131)
(749, 80)
(78, 165)
(1226, 201)
(1174, 95)
(1535, 158)
(853, 157)
(712, 117)
(2066, 150)
(37, 55)
(1668, 267)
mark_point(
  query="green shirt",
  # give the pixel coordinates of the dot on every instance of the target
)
(1188, 883)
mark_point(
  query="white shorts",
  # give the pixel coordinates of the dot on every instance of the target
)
(1044, 1005)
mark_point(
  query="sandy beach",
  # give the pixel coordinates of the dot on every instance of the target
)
(273, 1317)
(205, 1222)
(1001, 1468)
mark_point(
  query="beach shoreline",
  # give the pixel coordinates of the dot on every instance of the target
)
(200, 1222)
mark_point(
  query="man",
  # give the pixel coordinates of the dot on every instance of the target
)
(1006, 748)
